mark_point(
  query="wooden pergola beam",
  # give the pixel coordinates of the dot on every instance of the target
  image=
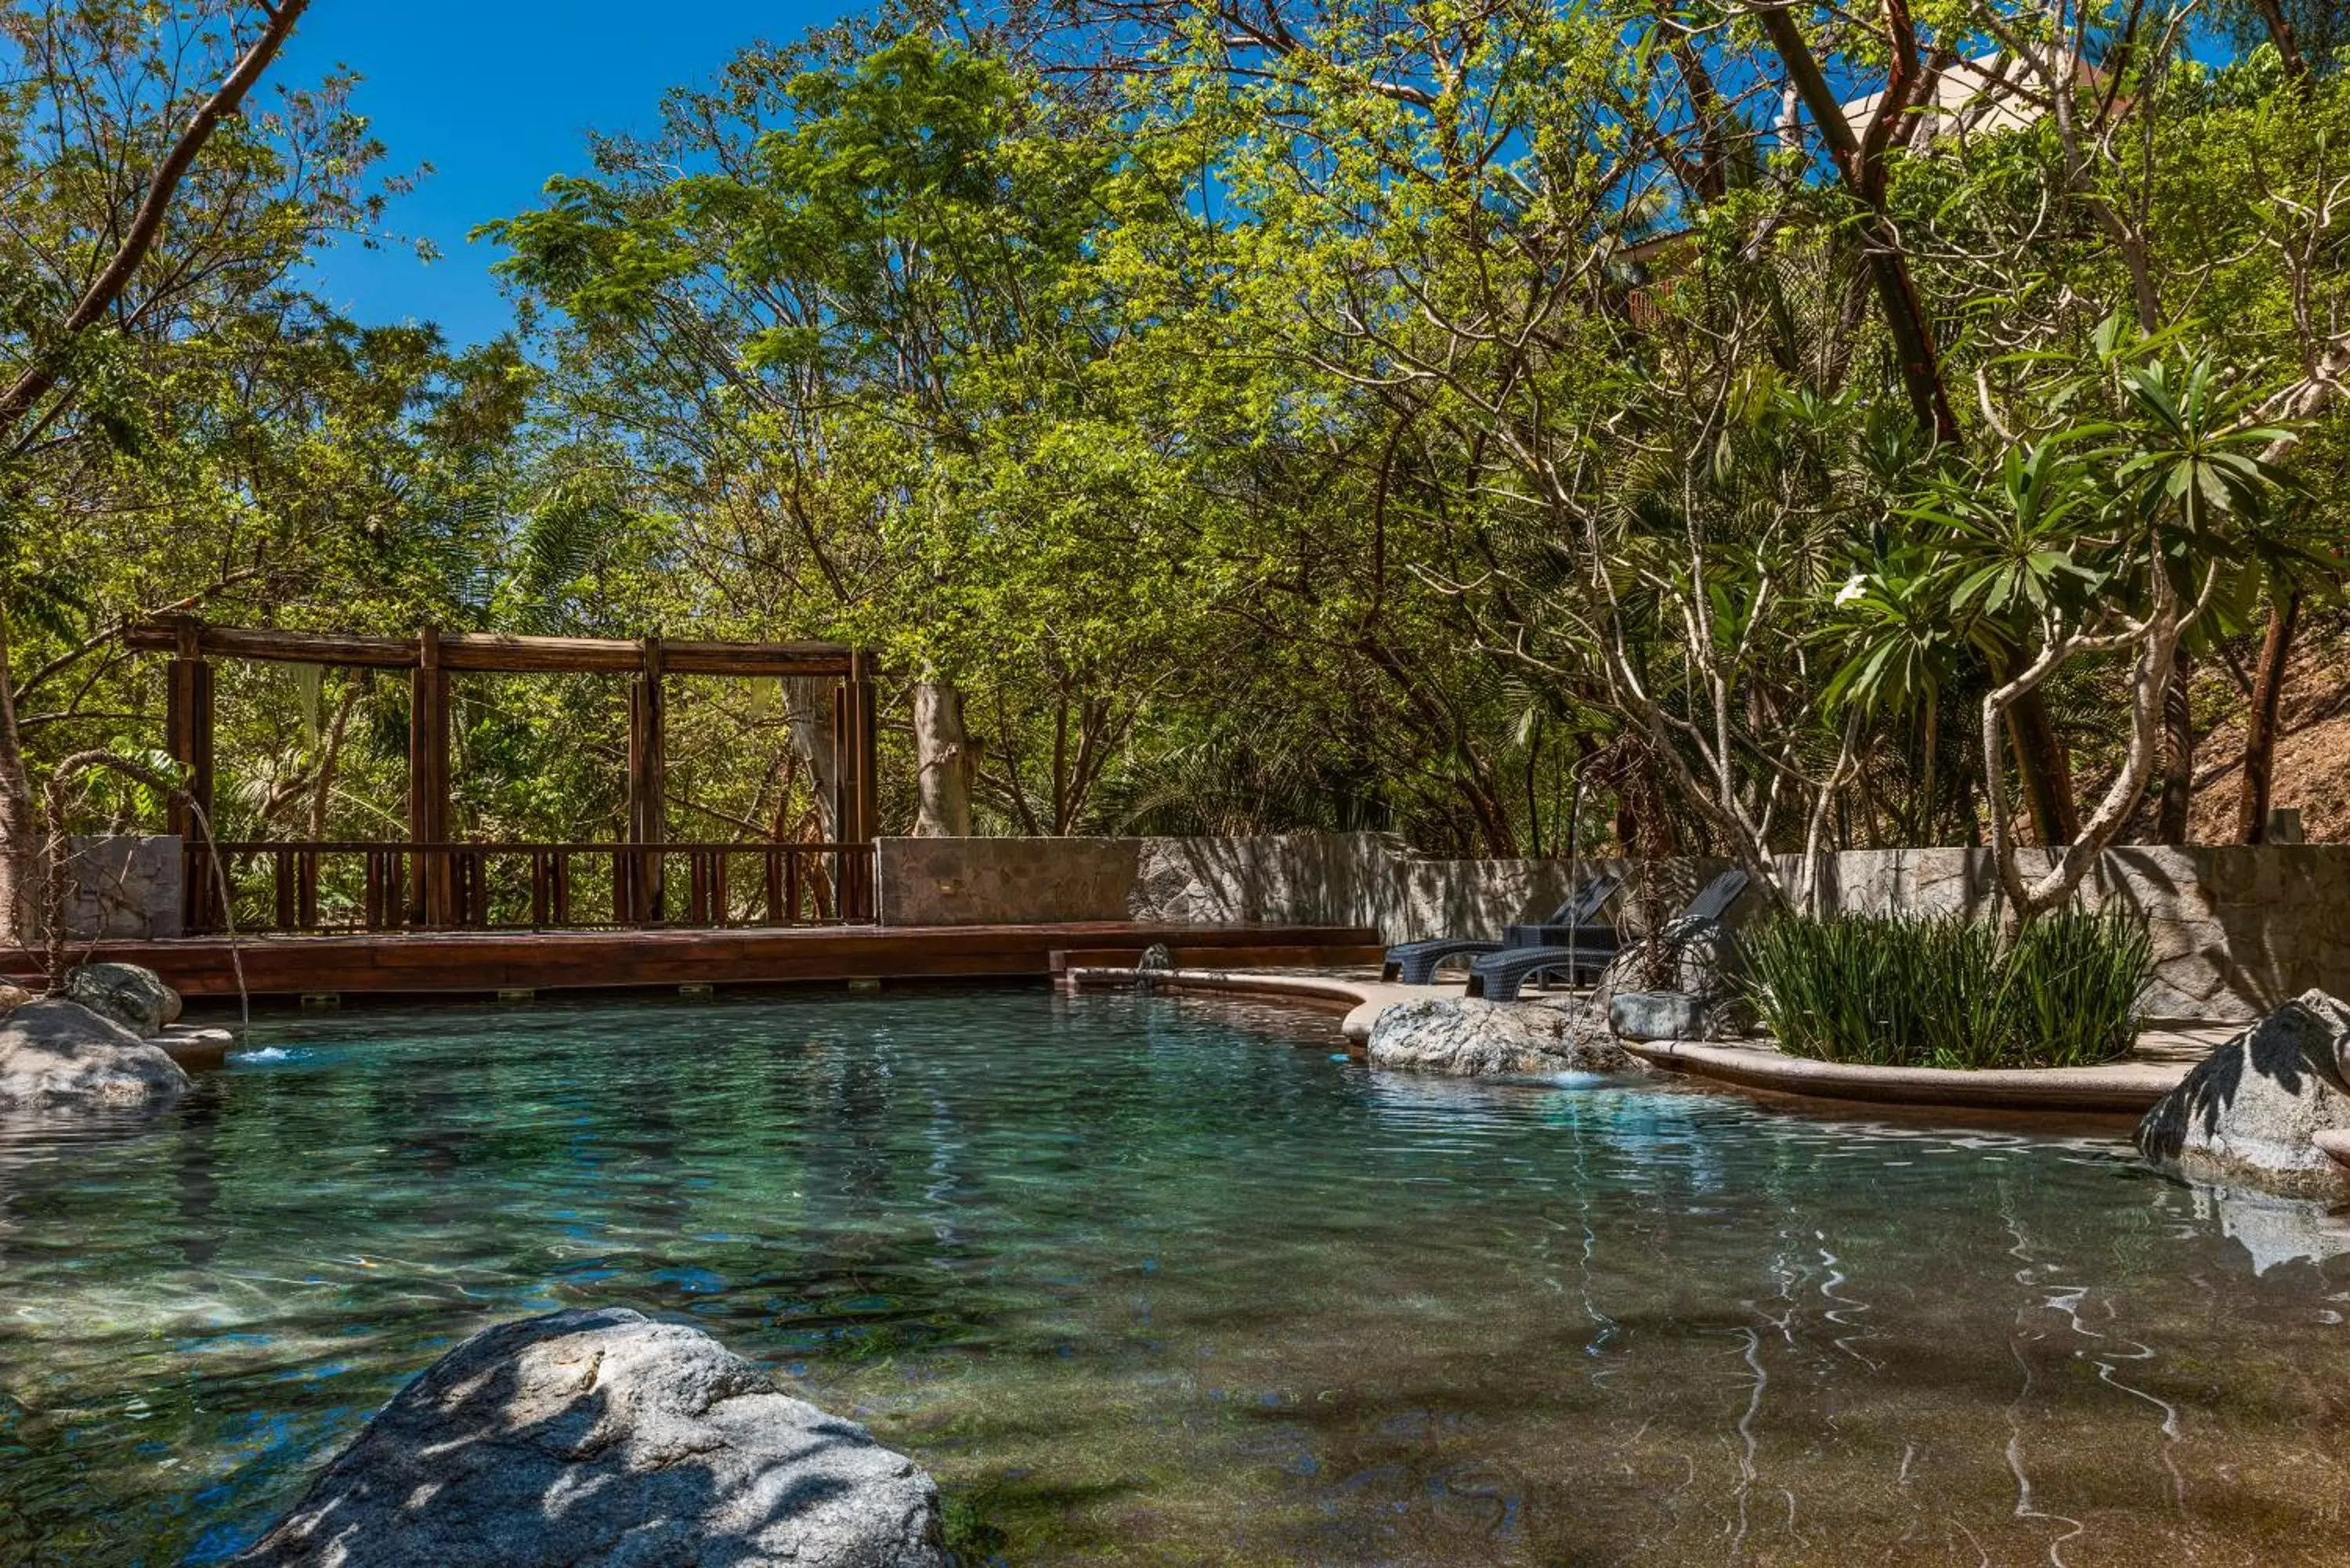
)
(494, 652)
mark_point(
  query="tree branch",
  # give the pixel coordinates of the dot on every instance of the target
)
(41, 375)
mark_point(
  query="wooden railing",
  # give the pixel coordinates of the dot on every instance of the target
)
(389, 887)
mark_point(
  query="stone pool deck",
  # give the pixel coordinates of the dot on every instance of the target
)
(2129, 1087)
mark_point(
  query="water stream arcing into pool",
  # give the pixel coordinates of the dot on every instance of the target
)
(1160, 1282)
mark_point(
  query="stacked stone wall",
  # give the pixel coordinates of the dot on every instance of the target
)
(124, 887)
(2237, 929)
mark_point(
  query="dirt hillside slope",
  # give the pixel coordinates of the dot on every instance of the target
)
(2312, 758)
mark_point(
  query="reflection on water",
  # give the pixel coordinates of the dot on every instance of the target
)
(1141, 1280)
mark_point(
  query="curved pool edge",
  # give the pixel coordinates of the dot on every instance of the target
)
(1361, 1000)
(2116, 1088)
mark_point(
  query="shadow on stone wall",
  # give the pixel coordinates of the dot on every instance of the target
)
(2237, 929)
(125, 888)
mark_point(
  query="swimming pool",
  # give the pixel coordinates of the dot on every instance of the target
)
(1157, 1281)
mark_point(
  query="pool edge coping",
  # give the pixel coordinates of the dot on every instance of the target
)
(2120, 1087)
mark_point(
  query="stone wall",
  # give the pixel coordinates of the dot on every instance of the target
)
(2236, 929)
(123, 887)
(1299, 878)
(1004, 881)
(1302, 879)
(1367, 880)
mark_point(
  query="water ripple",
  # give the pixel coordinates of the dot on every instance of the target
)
(1162, 1280)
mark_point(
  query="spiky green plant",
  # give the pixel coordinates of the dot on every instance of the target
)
(1936, 991)
(2075, 984)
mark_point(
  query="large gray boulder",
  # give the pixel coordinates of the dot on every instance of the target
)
(55, 1055)
(603, 1439)
(1476, 1038)
(2248, 1114)
(134, 997)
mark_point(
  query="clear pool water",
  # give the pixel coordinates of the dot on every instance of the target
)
(1152, 1282)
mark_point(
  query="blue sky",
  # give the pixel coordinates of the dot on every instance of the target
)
(497, 96)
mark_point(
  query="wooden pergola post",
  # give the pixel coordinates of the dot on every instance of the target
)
(856, 804)
(853, 726)
(188, 736)
(648, 789)
(428, 900)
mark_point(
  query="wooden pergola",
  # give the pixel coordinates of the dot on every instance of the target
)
(435, 887)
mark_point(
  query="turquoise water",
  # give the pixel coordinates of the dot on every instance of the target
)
(1156, 1281)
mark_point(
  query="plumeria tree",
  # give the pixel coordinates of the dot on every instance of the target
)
(2138, 499)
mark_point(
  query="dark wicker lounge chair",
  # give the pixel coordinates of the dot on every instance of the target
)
(1416, 963)
(1496, 976)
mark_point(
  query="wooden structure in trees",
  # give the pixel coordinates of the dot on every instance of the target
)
(431, 882)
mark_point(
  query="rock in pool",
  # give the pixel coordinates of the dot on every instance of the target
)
(2250, 1113)
(55, 1054)
(12, 997)
(1476, 1038)
(603, 1439)
(134, 997)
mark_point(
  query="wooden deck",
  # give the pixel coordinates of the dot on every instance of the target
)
(481, 962)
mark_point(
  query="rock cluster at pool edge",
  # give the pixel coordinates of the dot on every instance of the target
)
(58, 1055)
(1475, 1038)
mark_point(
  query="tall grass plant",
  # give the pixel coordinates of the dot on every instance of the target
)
(1938, 992)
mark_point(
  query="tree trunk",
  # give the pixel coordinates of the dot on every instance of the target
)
(19, 819)
(944, 762)
(1644, 825)
(322, 796)
(2288, 45)
(1930, 744)
(1860, 160)
(2260, 728)
(2178, 755)
(807, 713)
(2043, 770)
(1441, 727)
(2150, 673)
(1913, 336)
